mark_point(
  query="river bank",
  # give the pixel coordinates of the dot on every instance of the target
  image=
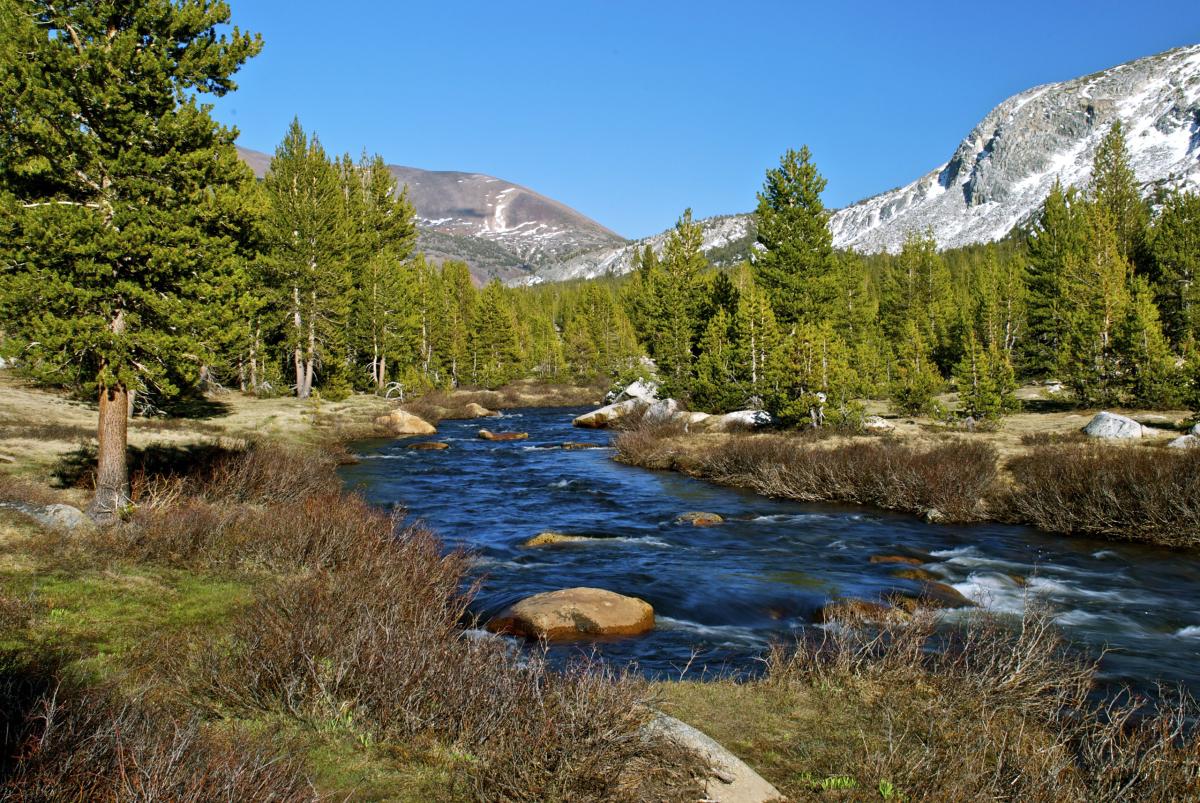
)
(1049, 475)
(263, 581)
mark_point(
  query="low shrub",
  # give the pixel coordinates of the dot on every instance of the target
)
(992, 712)
(67, 743)
(949, 480)
(1132, 493)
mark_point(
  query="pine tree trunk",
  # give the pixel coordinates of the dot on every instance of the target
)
(311, 356)
(299, 356)
(112, 471)
(254, 361)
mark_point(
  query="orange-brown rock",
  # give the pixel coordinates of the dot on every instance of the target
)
(914, 574)
(488, 435)
(853, 610)
(474, 410)
(932, 595)
(698, 519)
(911, 561)
(429, 446)
(400, 423)
(551, 538)
(574, 613)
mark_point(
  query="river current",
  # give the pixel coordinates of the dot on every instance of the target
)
(722, 594)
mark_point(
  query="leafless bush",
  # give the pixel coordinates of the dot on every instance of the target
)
(377, 646)
(1138, 494)
(949, 480)
(63, 743)
(996, 713)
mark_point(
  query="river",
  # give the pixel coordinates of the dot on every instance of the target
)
(722, 594)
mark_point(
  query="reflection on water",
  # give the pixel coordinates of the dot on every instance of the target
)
(723, 593)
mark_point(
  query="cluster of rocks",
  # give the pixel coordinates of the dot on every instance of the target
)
(642, 399)
(1111, 426)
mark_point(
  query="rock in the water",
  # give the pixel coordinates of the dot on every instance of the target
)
(429, 446)
(875, 424)
(933, 595)
(488, 435)
(1113, 426)
(699, 519)
(907, 559)
(573, 613)
(474, 410)
(607, 416)
(575, 445)
(1184, 442)
(732, 780)
(400, 423)
(914, 574)
(551, 538)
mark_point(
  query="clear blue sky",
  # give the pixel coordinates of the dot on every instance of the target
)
(632, 110)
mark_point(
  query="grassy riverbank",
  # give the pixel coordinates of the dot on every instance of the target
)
(1034, 469)
(259, 621)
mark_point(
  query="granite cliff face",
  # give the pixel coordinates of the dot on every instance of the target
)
(1001, 172)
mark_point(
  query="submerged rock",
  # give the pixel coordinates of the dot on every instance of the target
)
(907, 559)
(731, 779)
(1114, 427)
(550, 538)
(699, 519)
(399, 423)
(914, 574)
(488, 435)
(576, 445)
(573, 613)
(932, 595)
(428, 446)
(853, 610)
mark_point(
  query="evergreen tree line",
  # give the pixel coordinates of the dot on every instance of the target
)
(1098, 293)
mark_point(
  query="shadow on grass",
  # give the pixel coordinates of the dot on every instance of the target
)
(26, 681)
(77, 469)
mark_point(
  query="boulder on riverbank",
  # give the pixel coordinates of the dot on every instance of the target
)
(738, 421)
(641, 389)
(488, 435)
(573, 613)
(400, 424)
(607, 416)
(699, 519)
(731, 779)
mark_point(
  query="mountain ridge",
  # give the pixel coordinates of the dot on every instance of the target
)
(501, 229)
(1000, 173)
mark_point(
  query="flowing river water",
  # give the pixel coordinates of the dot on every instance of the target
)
(723, 594)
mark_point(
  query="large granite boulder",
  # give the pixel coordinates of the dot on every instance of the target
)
(663, 411)
(573, 613)
(607, 416)
(731, 780)
(1185, 442)
(1111, 426)
(641, 389)
(739, 421)
(400, 424)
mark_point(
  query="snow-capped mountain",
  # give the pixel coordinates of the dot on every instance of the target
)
(1001, 172)
(499, 228)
